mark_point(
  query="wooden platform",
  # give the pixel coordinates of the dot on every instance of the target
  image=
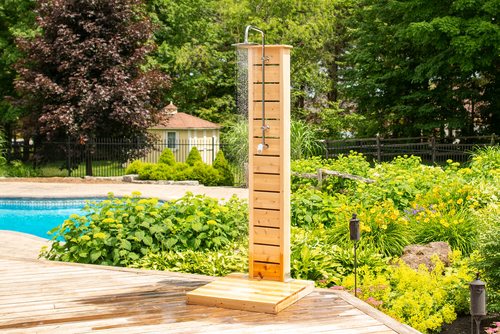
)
(54, 297)
(239, 292)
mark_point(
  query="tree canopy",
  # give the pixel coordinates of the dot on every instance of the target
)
(397, 68)
(83, 75)
(420, 66)
(16, 20)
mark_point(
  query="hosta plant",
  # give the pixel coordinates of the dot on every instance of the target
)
(119, 231)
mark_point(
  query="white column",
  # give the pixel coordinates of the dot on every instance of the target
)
(205, 146)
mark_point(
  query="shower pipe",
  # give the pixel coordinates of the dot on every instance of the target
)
(264, 59)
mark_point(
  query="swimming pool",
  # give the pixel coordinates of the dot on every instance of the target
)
(38, 216)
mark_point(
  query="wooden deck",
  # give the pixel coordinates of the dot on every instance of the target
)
(54, 297)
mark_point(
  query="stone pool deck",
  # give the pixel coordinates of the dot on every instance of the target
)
(78, 190)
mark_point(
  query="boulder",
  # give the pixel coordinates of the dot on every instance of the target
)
(130, 177)
(414, 255)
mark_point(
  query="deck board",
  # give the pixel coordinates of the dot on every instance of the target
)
(48, 297)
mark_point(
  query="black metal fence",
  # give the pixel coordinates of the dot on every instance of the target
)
(111, 157)
(430, 149)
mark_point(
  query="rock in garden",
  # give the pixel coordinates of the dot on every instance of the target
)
(414, 255)
(130, 177)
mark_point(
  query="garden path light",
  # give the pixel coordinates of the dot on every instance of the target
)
(354, 235)
(477, 302)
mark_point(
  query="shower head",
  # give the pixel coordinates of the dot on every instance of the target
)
(246, 43)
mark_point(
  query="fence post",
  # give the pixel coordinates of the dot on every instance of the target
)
(492, 139)
(137, 147)
(326, 149)
(433, 145)
(320, 177)
(379, 153)
(69, 156)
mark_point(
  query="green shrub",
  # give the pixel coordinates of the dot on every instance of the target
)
(145, 170)
(213, 263)
(205, 174)
(181, 172)
(134, 167)
(314, 258)
(121, 231)
(17, 168)
(167, 157)
(193, 157)
(226, 178)
(161, 172)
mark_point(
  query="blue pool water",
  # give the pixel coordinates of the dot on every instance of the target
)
(38, 216)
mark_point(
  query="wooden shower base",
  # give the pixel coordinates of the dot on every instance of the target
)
(238, 292)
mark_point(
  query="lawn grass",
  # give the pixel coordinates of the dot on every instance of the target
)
(99, 168)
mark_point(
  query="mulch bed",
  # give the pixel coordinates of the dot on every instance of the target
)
(462, 325)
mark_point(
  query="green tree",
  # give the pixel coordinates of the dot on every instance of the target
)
(425, 66)
(194, 50)
(17, 19)
(317, 30)
(195, 40)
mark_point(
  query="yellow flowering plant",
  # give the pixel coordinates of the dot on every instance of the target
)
(421, 299)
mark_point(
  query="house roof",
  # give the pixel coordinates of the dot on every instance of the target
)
(182, 120)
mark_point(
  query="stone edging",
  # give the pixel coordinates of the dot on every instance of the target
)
(134, 178)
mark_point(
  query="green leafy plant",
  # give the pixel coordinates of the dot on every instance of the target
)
(194, 157)
(121, 231)
(167, 157)
(17, 168)
(213, 263)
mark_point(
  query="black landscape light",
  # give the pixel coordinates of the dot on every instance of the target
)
(477, 302)
(354, 234)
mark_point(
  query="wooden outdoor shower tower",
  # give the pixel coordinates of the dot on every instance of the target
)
(269, 169)
(267, 287)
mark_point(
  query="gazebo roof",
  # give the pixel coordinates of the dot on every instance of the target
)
(182, 120)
